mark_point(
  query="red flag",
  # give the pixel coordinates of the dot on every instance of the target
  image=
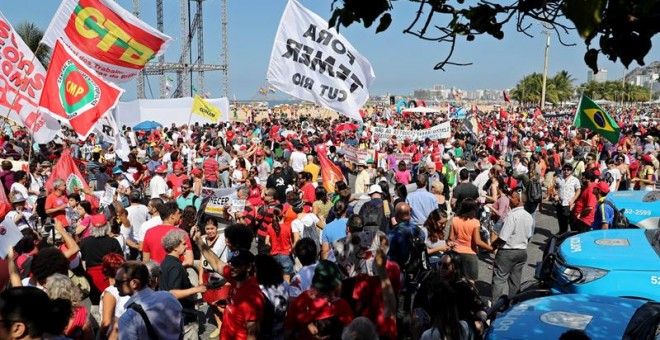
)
(506, 97)
(537, 113)
(67, 170)
(329, 171)
(75, 93)
(503, 114)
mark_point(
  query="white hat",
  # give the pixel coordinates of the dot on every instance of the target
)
(362, 163)
(375, 189)
(448, 145)
(446, 157)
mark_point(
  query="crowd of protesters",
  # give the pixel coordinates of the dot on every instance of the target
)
(392, 251)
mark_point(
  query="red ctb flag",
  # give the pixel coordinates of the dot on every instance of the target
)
(66, 169)
(329, 171)
(506, 97)
(108, 38)
(75, 93)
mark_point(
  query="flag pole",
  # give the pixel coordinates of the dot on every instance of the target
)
(578, 108)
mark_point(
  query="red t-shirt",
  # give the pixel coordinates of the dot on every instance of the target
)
(153, 238)
(245, 303)
(230, 135)
(210, 167)
(175, 183)
(587, 199)
(368, 292)
(54, 201)
(280, 244)
(309, 193)
(305, 308)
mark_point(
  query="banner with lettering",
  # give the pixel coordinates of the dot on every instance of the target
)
(75, 93)
(315, 63)
(109, 39)
(439, 131)
(219, 199)
(21, 83)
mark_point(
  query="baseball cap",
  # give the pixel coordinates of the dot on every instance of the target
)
(603, 187)
(178, 166)
(196, 171)
(375, 188)
(99, 221)
(161, 169)
(241, 257)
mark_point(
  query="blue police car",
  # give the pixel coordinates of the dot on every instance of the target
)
(641, 208)
(617, 262)
(600, 317)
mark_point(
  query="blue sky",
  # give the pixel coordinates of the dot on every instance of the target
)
(401, 62)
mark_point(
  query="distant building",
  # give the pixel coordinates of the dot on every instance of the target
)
(599, 77)
(644, 79)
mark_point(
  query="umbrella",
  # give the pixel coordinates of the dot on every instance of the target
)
(147, 126)
(346, 127)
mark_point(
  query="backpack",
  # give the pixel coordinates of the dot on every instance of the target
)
(417, 259)
(534, 191)
(620, 221)
(374, 215)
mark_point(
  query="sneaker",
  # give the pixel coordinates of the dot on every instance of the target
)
(215, 334)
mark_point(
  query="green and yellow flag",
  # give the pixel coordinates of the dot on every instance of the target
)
(590, 115)
(202, 108)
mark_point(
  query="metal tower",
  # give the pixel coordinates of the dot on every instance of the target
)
(186, 65)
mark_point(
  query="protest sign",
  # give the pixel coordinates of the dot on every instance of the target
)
(109, 39)
(9, 236)
(17, 165)
(440, 131)
(313, 62)
(218, 199)
(21, 83)
(236, 205)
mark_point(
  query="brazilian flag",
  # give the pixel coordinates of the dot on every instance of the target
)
(591, 116)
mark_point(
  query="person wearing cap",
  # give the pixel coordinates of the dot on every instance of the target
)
(583, 212)
(158, 186)
(363, 179)
(244, 311)
(567, 191)
(377, 210)
(211, 169)
(604, 215)
(175, 180)
(647, 177)
(197, 177)
(321, 302)
(18, 217)
(93, 248)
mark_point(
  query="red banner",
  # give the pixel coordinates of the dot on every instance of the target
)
(329, 171)
(76, 93)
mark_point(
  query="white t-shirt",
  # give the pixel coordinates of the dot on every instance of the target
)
(157, 186)
(120, 301)
(137, 215)
(154, 221)
(219, 248)
(8, 222)
(298, 161)
(616, 176)
(302, 281)
(20, 188)
(299, 224)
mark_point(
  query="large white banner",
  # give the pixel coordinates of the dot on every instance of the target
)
(440, 131)
(166, 111)
(219, 199)
(109, 39)
(21, 83)
(315, 63)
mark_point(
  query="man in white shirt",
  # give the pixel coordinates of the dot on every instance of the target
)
(157, 186)
(155, 220)
(613, 174)
(298, 160)
(137, 212)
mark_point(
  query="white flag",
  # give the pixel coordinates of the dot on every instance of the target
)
(21, 83)
(315, 63)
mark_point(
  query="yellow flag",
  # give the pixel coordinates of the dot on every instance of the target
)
(202, 108)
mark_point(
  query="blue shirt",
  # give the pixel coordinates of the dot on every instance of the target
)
(334, 231)
(163, 310)
(399, 250)
(183, 202)
(422, 203)
(604, 214)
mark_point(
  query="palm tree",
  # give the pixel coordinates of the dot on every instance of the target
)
(562, 87)
(32, 36)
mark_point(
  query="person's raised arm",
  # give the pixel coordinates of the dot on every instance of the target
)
(71, 245)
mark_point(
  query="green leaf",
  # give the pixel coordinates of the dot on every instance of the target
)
(591, 59)
(385, 22)
(586, 15)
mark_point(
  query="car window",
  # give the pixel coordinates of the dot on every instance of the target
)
(652, 196)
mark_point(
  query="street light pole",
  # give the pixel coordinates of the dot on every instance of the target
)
(545, 68)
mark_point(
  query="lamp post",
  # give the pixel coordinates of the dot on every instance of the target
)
(545, 67)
